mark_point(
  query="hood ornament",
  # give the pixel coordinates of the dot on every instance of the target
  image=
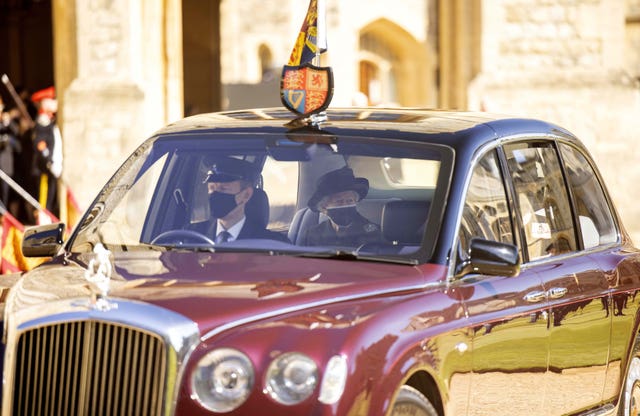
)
(98, 274)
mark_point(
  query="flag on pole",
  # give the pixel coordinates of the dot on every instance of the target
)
(12, 259)
(305, 88)
(312, 39)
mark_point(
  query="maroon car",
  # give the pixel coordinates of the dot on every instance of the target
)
(381, 262)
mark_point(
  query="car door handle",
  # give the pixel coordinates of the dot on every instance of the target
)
(556, 292)
(535, 296)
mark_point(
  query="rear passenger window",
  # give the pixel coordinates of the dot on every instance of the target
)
(596, 221)
(541, 197)
(486, 213)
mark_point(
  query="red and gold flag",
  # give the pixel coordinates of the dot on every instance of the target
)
(311, 40)
(12, 259)
(307, 89)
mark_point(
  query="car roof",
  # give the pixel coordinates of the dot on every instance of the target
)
(452, 128)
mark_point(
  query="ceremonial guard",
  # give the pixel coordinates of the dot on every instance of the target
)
(9, 147)
(47, 148)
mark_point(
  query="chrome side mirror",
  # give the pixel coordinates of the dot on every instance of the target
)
(490, 258)
(43, 240)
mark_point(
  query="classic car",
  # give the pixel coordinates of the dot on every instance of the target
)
(488, 274)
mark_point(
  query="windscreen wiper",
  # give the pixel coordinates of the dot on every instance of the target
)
(354, 256)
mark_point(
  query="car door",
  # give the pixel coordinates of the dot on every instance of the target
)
(618, 269)
(507, 315)
(579, 322)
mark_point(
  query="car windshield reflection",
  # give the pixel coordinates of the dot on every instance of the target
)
(214, 192)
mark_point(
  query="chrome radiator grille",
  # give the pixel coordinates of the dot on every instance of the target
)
(89, 368)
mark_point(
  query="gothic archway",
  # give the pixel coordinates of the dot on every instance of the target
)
(394, 66)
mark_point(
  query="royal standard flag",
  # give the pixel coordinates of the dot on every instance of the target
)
(312, 39)
(307, 89)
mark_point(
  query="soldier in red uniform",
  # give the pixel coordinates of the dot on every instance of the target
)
(47, 148)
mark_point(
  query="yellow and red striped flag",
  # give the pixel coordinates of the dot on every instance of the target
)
(12, 259)
(312, 39)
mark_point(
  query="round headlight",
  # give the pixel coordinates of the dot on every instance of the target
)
(291, 378)
(222, 380)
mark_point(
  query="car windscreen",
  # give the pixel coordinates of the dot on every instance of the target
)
(309, 195)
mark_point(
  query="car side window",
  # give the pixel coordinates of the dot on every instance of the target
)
(542, 199)
(596, 220)
(486, 212)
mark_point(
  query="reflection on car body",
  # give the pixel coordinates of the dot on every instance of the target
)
(500, 278)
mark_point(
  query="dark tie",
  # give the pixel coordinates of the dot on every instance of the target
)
(222, 237)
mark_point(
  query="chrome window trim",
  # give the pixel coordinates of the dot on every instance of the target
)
(617, 221)
(180, 334)
(567, 256)
(501, 141)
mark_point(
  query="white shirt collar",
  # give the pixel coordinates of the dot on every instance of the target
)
(234, 230)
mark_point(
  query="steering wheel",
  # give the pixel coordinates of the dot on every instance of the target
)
(182, 236)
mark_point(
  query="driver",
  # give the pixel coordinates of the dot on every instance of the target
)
(230, 183)
(336, 195)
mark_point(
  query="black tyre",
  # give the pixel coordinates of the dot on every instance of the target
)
(411, 402)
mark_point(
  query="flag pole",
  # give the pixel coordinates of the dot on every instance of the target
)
(306, 88)
(321, 30)
(16, 98)
(20, 190)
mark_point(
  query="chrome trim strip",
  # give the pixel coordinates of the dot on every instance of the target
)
(300, 307)
(606, 410)
(569, 256)
(179, 334)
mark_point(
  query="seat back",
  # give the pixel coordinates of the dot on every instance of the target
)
(371, 208)
(403, 222)
(303, 219)
(257, 208)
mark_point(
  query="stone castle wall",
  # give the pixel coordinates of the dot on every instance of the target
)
(572, 62)
(565, 61)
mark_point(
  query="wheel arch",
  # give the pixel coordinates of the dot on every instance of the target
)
(426, 384)
(633, 346)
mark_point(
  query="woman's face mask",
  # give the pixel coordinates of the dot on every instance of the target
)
(342, 216)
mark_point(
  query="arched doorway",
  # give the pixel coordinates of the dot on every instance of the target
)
(265, 57)
(394, 68)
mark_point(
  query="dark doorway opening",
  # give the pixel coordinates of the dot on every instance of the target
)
(26, 44)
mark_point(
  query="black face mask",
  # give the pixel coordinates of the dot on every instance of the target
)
(342, 216)
(221, 204)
